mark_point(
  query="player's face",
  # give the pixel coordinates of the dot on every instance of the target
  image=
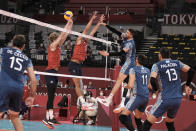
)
(23, 47)
(160, 57)
(137, 61)
(129, 34)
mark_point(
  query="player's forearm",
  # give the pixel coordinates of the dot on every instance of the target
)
(88, 26)
(63, 35)
(114, 30)
(33, 88)
(191, 73)
(94, 30)
(117, 53)
(153, 83)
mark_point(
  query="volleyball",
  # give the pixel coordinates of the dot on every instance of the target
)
(68, 14)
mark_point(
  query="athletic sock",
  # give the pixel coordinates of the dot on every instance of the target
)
(147, 125)
(125, 92)
(51, 114)
(127, 122)
(170, 126)
(47, 115)
(138, 123)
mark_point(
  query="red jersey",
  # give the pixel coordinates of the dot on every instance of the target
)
(80, 51)
(53, 58)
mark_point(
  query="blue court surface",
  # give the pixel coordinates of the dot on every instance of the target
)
(39, 126)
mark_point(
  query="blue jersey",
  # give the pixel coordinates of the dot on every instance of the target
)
(169, 78)
(12, 66)
(142, 75)
(131, 54)
(130, 57)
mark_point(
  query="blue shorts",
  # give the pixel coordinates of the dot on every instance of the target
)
(137, 102)
(170, 106)
(11, 98)
(75, 68)
(51, 79)
(125, 68)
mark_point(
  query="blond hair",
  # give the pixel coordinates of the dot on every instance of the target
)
(53, 36)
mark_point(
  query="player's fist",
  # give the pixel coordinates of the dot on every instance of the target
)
(188, 90)
(29, 101)
(104, 53)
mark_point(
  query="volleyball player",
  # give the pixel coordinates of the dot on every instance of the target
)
(130, 49)
(13, 63)
(139, 82)
(54, 53)
(168, 72)
(122, 56)
(79, 55)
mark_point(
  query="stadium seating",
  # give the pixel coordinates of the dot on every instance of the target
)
(182, 47)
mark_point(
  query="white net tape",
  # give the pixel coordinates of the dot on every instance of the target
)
(33, 21)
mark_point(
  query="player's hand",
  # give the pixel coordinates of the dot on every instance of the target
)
(102, 18)
(94, 15)
(29, 101)
(188, 90)
(104, 53)
(104, 24)
(70, 21)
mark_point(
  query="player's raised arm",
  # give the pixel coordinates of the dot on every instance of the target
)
(63, 36)
(153, 77)
(86, 29)
(190, 71)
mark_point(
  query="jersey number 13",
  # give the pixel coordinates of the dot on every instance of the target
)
(172, 75)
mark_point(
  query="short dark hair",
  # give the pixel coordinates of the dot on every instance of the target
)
(142, 59)
(132, 31)
(165, 53)
(19, 41)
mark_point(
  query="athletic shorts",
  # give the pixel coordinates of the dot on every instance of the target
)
(170, 106)
(11, 98)
(75, 68)
(125, 68)
(51, 79)
(137, 102)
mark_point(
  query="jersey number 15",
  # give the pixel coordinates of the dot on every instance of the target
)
(18, 62)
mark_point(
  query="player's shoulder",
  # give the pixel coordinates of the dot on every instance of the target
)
(148, 70)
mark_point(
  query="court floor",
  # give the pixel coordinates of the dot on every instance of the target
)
(6, 125)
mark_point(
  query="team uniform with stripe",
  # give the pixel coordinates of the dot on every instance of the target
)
(170, 87)
(130, 57)
(139, 100)
(13, 63)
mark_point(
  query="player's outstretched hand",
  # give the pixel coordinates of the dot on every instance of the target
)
(29, 101)
(104, 53)
(188, 90)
